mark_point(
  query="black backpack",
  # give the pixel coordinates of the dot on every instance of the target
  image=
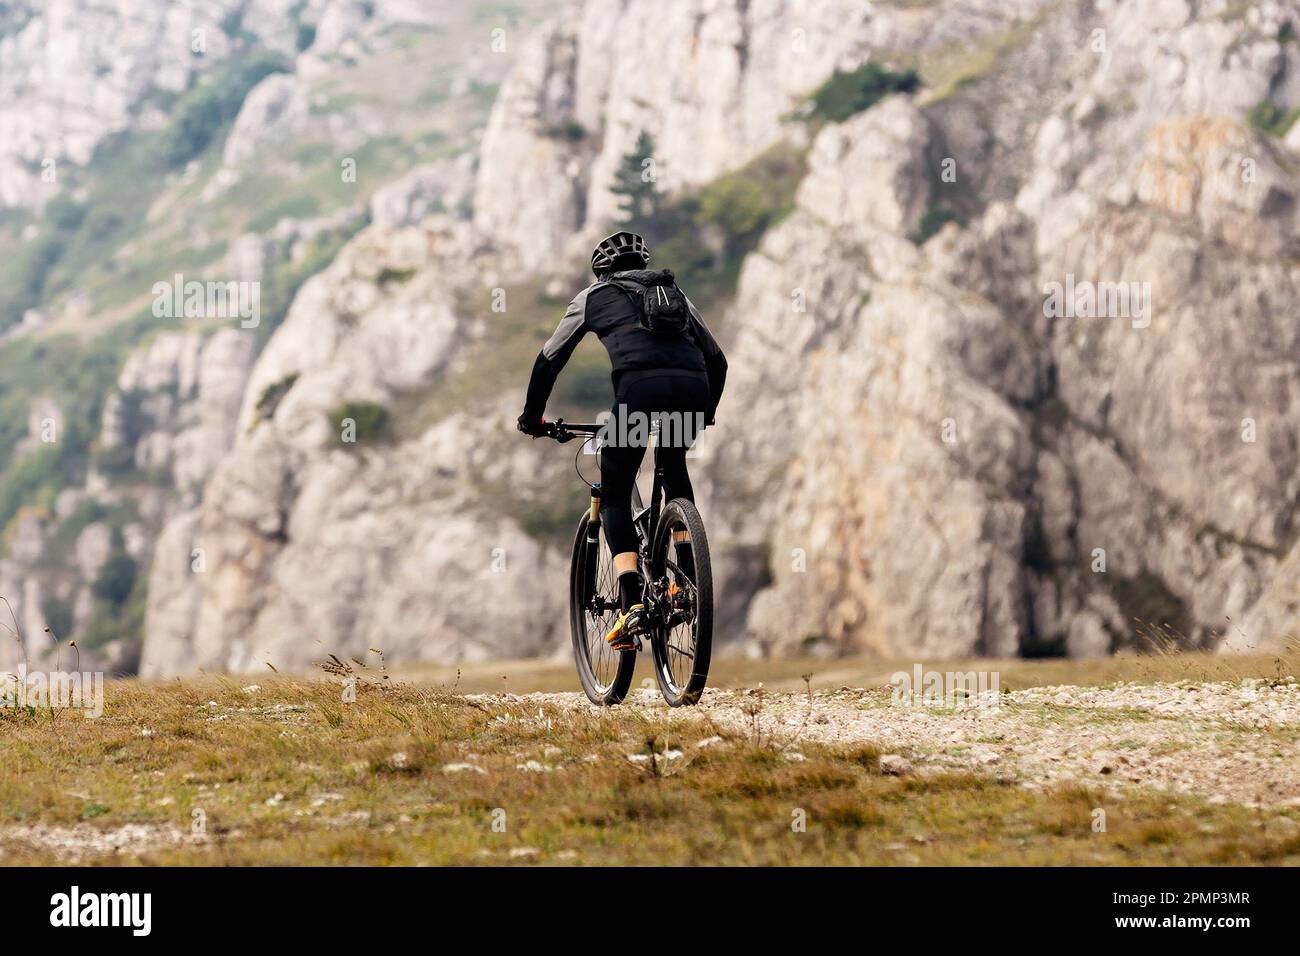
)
(661, 306)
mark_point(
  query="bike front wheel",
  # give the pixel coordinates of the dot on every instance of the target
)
(606, 674)
(680, 566)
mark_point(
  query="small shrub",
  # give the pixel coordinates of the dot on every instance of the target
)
(273, 394)
(389, 274)
(846, 94)
(369, 421)
(1269, 118)
(65, 213)
(935, 218)
(115, 579)
(571, 131)
(737, 205)
(704, 236)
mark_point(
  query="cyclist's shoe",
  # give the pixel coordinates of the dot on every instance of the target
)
(623, 636)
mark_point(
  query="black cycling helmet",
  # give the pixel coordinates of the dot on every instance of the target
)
(619, 244)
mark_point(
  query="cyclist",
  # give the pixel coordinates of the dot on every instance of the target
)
(666, 367)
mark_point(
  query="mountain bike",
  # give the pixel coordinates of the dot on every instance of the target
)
(678, 619)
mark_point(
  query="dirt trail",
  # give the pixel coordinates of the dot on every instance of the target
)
(1236, 742)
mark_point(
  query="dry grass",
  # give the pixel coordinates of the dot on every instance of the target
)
(290, 773)
(533, 676)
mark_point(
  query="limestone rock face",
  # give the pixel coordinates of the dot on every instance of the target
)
(415, 567)
(1100, 469)
(278, 104)
(1065, 422)
(717, 91)
(882, 500)
(532, 176)
(171, 417)
(76, 71)
(189, 388)
(78, 75)
(446, 186)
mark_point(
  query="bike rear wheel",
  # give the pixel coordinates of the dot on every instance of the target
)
(606, 674)
(683, 644)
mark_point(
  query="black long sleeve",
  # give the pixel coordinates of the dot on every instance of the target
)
(554, 356)
(715, 363)
(540, 383)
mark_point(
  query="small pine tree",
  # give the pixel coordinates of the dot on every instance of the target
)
(634, 183)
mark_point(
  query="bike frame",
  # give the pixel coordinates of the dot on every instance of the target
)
(667, 606)
(648, 518)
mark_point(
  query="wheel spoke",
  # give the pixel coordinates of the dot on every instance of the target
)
(678, 663)
(603, 660)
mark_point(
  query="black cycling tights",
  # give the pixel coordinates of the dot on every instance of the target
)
(684, 393)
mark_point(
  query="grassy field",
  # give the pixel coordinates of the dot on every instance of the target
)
(286, 771)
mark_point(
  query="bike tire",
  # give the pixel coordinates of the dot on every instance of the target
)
(680, 683)
(607, 680)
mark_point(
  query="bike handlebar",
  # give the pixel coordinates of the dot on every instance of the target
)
(561, 430)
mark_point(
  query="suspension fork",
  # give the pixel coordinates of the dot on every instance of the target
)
(593, 547)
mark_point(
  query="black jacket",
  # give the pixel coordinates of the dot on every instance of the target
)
(608, 311)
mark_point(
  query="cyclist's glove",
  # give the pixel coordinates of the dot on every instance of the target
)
(535, 427)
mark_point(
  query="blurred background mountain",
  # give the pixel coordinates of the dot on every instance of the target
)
(867, 200)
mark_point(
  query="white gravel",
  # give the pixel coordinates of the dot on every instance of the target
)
(1236, 742)
(84, 841)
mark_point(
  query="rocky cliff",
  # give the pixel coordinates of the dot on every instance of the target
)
(76, 71)
(220, 142)
(322, 540)
(167, 421)
(968, 475)
(920, 453)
